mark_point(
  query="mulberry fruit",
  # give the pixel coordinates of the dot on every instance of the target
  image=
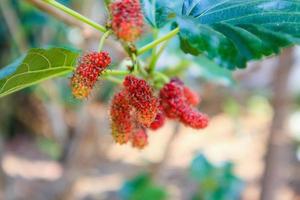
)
(193, 118)
(121, 117)
(177, 101)
(127, 19)
(141, 97)
(140, 139)
(172, 99)
(191, 97)
(86, 74)
(159, 121)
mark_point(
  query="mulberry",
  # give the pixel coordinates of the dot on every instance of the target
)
(86, 74)
(121, 117)
(127, 19)
(191, 97)
(172, 99)
(141, 97)
(159, 120)
(140, 139)
(193, 118)
(177, 101)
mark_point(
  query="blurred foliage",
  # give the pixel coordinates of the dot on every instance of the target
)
(49, 147)
(142, 187)
(215, 182)
(36, 29)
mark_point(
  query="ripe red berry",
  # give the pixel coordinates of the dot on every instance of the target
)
(159, 121)
(86, 74)
(121, 118)
(176, 100)
(141, 97)
(172, 99)
(127, 19)
(140, 139)
(193, 118)
(191, 97)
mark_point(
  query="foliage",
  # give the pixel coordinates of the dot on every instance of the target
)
(36, 66)
(142, 187)
(215, 181)
(229, 33)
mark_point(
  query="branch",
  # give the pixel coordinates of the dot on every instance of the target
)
(56, 13)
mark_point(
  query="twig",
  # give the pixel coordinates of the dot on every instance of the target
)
(56, 13)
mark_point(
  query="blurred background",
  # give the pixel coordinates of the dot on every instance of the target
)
(53, 147)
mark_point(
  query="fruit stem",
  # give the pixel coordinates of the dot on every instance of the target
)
(156, 57)
(165, 78)
(75, 15)
(102, 40)
(113, 79)
(115, 73)
(156, 42)
(153, 55)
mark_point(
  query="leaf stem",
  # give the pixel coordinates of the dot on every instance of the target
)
(102, 40)
(75, 15)
(153, 44)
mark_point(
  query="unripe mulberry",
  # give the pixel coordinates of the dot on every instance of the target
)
(140, 139)
(121, 118)
(141, 97)
(86, 74)
(127, 19)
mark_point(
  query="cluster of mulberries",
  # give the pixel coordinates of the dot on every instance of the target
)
(126, 19)
(177, 101)
(86, 74)
(136, 109)
(132, 111)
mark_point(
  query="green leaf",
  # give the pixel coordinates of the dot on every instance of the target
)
(37, 65)
(158, 12)
(233, 32)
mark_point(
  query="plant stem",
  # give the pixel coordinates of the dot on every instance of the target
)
(113, 79)
(158, 41)
(162, 76)
(102, 40)
(115, 73)
(75, 15)
(153, 56)
(156, 57)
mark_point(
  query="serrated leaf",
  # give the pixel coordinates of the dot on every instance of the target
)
(158, 12)
(36, 66)
(233, 32)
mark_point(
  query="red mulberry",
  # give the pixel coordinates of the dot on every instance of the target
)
(177, 101)
(127, 19)
(86, 74)
(121, 117)
(191, 97)
(159, 121)
(141, 97)
(172, 99)
(193, 118)
(140, 139)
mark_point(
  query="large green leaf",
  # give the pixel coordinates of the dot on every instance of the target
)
(159, 12)
(36, 66)
(233, 32)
